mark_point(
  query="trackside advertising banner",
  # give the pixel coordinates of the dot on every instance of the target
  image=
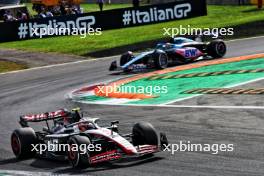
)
(110, 19)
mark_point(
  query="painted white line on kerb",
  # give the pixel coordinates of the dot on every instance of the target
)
(103, 58)
(235, 85)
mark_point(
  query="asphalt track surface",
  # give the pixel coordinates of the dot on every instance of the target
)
(44, 89)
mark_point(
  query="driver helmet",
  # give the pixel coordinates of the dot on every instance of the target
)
(168, 45)
(70, 117)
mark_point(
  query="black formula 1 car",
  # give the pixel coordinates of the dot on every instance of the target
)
(84, 142)
(178, 50)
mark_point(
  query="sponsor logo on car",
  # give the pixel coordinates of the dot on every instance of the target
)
(106, 156)
(190, 53)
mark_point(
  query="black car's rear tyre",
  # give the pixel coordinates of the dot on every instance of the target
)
(78, 158)
(125, 58)
(21, 140)
(161, 60)
(216, 49)
(144, 133)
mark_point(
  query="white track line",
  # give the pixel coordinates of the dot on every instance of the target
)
(28, 173)
(177, 106)
(58, 65)
(213, 107)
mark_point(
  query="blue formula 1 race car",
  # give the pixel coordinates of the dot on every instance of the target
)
(178, 50)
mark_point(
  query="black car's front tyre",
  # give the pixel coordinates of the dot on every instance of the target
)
(216, 49)
(161, 60)
(144, 133)
(22, 140)
(77, 156)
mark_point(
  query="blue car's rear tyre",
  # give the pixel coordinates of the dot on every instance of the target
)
(216, 49)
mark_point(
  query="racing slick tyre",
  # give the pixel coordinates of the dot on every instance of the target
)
(144, 133)
(125, 58)
(78, 158)
(21, 140)
(161, 60)
(216, 49)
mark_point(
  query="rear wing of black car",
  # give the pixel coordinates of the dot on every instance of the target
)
(42, 117)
